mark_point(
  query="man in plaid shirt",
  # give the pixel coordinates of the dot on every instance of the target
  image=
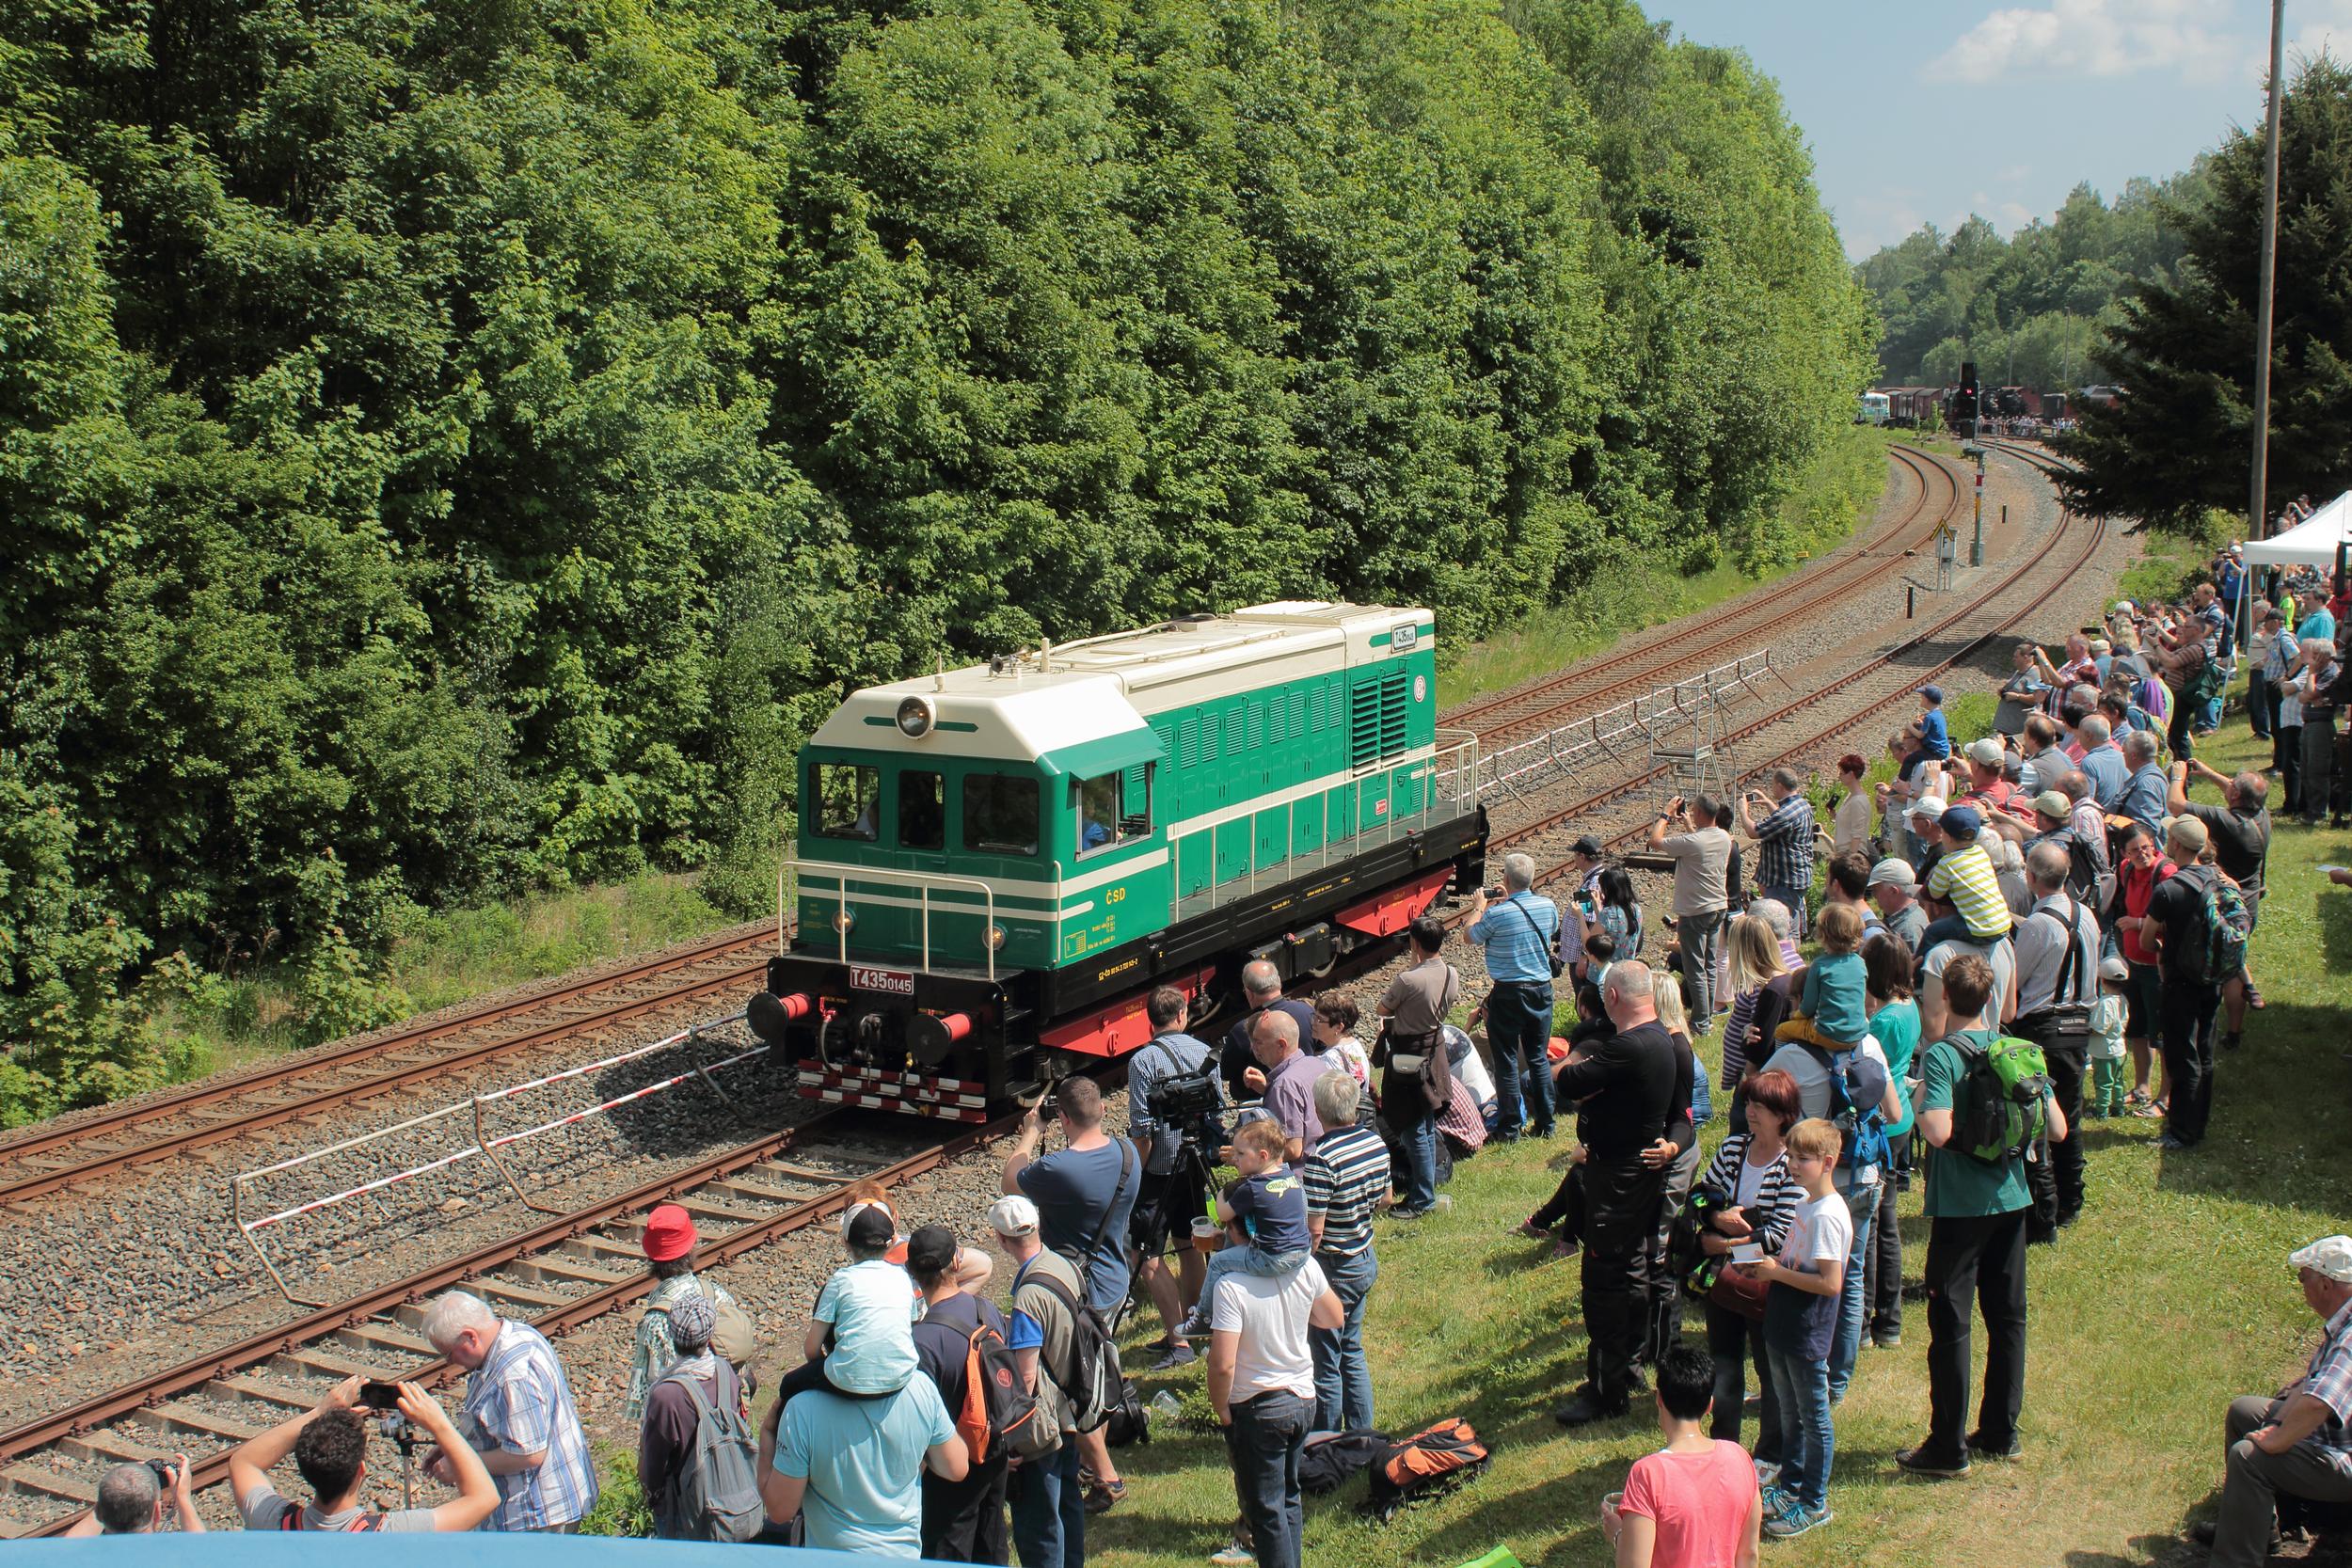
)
(1784, 840)
(2297, 1443)
(518, 1413)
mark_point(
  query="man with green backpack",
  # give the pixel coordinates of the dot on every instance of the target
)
(1984, 1100)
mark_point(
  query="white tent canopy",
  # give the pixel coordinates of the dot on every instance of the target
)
(2310, 543)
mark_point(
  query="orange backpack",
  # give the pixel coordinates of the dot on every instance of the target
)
(1431, 1463)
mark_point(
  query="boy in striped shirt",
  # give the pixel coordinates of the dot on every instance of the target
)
(1964, 878)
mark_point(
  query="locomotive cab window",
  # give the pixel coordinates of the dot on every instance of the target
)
(1000, 815)
(922, 812)
(1113, 808)
(848, 801)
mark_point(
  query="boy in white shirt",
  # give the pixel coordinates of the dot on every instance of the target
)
(1800, 1322)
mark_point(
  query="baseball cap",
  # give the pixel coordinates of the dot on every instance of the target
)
(1892, 873)
(2113, 968)
(2188, 832)
(868, 1224)
(1961, 822)
(2330, 1255)
(931, 1250)
(669, 1234)
(2237, 549)
(2273, 614)
(1587, 847)
(692, 1321)
(1933, 693)
(1930, 808)
(1012, 1215)
(2053, 802)
(1986, 752)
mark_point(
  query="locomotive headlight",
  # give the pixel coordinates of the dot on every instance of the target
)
(995, 938)
(914, 718)
(843, 921)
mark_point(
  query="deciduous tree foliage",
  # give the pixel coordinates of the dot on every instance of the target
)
(449, 448)
(2180, 441)
(2029, 310)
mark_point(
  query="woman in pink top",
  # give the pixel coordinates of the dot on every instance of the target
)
(1695, 1503)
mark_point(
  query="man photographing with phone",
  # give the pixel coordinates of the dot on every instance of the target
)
(136, 1499)
(329, 1446)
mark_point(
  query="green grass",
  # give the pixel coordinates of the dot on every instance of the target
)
(2173, 564)
(2169, 1297)
(1834, 497)
(442, 958)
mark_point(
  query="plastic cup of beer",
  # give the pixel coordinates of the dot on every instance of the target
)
(1206, 1237)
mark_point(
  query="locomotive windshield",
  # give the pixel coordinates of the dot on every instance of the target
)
(846, 797)
(1000, 814)
(922, 810)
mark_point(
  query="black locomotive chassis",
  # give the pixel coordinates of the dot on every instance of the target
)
(1010, 1013)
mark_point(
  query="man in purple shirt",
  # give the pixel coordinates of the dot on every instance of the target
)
(1290, 1082)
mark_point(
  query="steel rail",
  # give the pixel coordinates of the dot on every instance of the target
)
(195, 1374)
(104, 1162)
(1531, 830)
(1576, 686)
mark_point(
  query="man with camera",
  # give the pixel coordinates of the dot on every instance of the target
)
(1174, 1106)
(135, 1499)
(1702, 902)
(1784, 839)
(329, 1445)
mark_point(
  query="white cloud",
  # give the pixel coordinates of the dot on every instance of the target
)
(2093, 38)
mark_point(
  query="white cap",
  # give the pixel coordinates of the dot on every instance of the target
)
(1892, 873)
(2330, 1255)
(1930, 808)
(1986, 752)
(1012, 1215)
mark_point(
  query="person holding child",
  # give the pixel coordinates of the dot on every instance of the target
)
(1268, 1203)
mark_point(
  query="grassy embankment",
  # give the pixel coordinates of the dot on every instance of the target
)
(1833, 500)
(2170, 1296)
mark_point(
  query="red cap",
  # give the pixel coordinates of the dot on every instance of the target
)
(669, 1234)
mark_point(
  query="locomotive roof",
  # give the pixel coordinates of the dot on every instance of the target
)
(1046, 700)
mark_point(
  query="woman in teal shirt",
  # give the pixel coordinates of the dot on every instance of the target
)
(1886, 964)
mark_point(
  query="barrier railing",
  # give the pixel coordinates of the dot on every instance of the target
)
(789, 891)
(1641, 723)
(484, 1145)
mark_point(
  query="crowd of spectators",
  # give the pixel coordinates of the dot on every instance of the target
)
(2057, 882)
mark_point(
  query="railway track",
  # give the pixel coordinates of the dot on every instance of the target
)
(2088, 535)
(1549, 702)
(562, 1272)
(52, 1156)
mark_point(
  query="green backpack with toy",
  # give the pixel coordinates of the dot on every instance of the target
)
(2000, 1104)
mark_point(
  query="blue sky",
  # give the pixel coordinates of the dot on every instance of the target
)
(2073, 90)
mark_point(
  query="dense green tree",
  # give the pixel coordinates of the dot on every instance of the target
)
(2178, 443)
(450, 449)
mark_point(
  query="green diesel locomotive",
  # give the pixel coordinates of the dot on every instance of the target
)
(996, 864)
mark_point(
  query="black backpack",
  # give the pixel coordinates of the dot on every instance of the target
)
(1092, 1381)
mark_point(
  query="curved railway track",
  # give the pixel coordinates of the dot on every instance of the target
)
(1547, 702)
(570, 1268)
(52, 1156)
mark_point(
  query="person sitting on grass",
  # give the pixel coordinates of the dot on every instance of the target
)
(1800, 1322)
(2296, 1445)
(1695, 1503)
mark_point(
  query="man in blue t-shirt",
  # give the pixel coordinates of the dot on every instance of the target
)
(1085, 1194)
(853, 1468)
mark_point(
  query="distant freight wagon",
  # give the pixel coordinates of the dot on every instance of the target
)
(996, 864)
